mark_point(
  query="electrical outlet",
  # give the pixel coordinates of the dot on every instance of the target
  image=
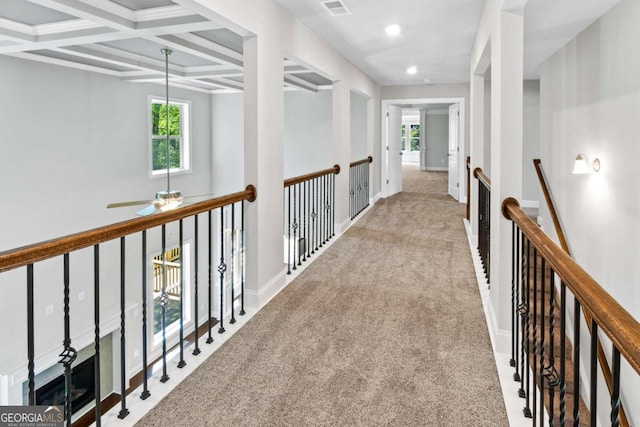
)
(80, 296)
(48, 309)
(136, 353)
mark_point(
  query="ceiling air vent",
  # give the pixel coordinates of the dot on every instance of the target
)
(336, 8)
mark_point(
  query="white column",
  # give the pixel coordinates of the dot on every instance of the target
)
(506, 159)
(342, 151)
(423, 140)
(477, 145)
(264, 163)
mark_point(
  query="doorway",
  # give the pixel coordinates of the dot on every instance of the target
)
(453, 151)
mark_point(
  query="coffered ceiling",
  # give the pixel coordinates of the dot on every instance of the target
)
(124, 38)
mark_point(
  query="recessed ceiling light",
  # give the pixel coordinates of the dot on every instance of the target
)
(392, 30)
(412, 70)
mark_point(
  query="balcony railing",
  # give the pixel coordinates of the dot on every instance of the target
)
(359, 186)
(113, 280)
(484, 220)
(549, 293)
(309, 214)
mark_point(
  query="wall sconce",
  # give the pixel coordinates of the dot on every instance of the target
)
(582, 165)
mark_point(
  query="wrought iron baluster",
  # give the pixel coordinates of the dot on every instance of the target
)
(615, 392)
(233, 262)
(514, 258)
(69, 354)
(222, 268)
(196, 322)
(551, 374)
(520, 292)
(542, 339)
(299, 222)
(534, 399)
(96, 334)
(518, 322)
(314, 214)
(307, 240)
(527, 394)
(164, 300)
(303, 230)
(288, 203)
(576, 362)
(593, 407)
(181, 363)
(30, 337)
(210, 273)
(295, 228)
(242, 255)
(123, 391)
(563, 352)
(145, 370)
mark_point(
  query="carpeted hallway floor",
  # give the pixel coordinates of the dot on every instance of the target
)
(384, 328)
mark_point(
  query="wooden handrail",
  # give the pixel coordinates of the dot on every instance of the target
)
(479, 174)
(621, 327)
(360, 162)
(552, 209)
(30, 254)
(604, 363)
(302, 178)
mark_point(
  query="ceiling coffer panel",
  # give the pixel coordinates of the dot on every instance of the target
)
(124, 38)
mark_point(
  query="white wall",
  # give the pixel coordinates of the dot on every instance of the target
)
(437, 139)
(358, 127)
(227, 143)
(590, 98)
(530, 140)
(307, 132)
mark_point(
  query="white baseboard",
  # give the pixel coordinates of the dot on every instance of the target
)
(256, 299)
(375, 198)
(436, 169)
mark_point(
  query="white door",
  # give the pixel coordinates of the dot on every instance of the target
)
(394, 150)
(454, 136)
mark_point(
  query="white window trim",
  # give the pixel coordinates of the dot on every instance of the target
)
(185, 149)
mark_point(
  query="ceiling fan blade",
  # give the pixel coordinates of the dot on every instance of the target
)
(149, 210)
(134, 203)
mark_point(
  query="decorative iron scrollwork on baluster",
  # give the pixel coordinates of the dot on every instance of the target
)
(551, 375)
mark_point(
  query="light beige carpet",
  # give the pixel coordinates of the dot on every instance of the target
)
(385, 328)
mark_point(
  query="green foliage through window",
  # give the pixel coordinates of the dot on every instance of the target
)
(159, 135)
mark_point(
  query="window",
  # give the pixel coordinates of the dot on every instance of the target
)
(174, 260)
(411, 141)
(178, 152)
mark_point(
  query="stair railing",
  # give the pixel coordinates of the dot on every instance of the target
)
(152, 229)
(541, 349)
(359, 186)
(604, 364)
(484, 220)
(309, 214)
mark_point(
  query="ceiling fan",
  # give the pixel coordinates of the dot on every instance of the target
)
(169, 199)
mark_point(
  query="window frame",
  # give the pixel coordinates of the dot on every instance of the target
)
(185, 137)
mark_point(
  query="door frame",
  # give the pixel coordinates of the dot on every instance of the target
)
(462, 180)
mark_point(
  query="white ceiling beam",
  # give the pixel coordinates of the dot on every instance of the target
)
(300, 83)
(90, 12)
(197, 49)
(213, 46)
